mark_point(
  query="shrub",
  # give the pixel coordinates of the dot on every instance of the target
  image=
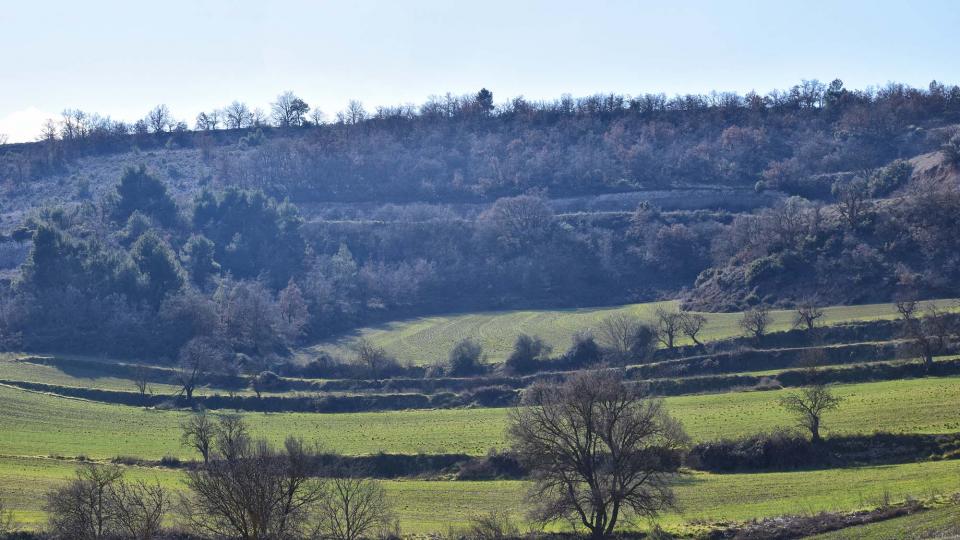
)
(528, 351)
(584, 351)
(465, 358)
(778, 450)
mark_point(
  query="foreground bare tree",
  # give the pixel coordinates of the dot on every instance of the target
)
(139, 508)
(808, 406)
(83, 508)
(251, 490)
(99, 503)
(597, 449)
(352, 508)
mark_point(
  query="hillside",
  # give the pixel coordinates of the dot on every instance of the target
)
(726, 201)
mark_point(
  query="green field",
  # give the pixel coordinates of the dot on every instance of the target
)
(429, 506)
(425, 340)
(943, 522)
(36, 424)
(36, 429)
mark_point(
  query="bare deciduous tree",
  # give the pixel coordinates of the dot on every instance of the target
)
(754, 322)
(139, 508)
(692, 324)
(141, 379)
(159, 119)
(84, 507)
(929, 330)
(597, 449)
(237, 115)
(289, 110)
(353, 114)
(251, 490)
(197, 431)
(374, 359)
(669, 324)
(626, 337)
(198, 358)
(807, 315)
(352, 508)
(808, 406)
(852, 200)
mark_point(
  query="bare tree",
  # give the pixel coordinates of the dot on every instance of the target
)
(493, 525)
(4, 139)
(353, 114)
(237, 115)
(159, 119)
(197, 431)
(929, 330)
(139, 508)
(754, 322)
(258, 118)
(289, 110)
(374, 359)
(141, 380)
(251, 490)
(294, 311)
(353, 508)
(669, 324)
(852, 200)
(84, 507)
(692, 324)
(807, 315)
(317, 117)
(198, 358)
(808, 405)
(597, 448)
(626, 337)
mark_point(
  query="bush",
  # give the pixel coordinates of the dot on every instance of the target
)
(778, 450)
(527, 353)
(465, 358)
(495, 466)
(584, 351)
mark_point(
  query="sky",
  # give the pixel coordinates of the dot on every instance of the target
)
(121, 58)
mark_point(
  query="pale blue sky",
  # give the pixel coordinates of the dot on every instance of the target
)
(122, 57)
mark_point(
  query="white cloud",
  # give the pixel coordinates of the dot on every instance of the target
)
(24, 125)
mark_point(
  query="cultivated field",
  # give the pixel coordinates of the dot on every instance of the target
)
(45, 436)
(429, 506)
(424, 340)
(36, 424)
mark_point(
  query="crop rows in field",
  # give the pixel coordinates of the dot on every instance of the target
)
(425, 340)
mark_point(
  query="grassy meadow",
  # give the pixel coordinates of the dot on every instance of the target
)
(430, 506)
(37, 424)
(424, 340)
(41, 434)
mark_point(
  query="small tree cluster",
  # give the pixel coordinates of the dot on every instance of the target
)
(99, 503)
